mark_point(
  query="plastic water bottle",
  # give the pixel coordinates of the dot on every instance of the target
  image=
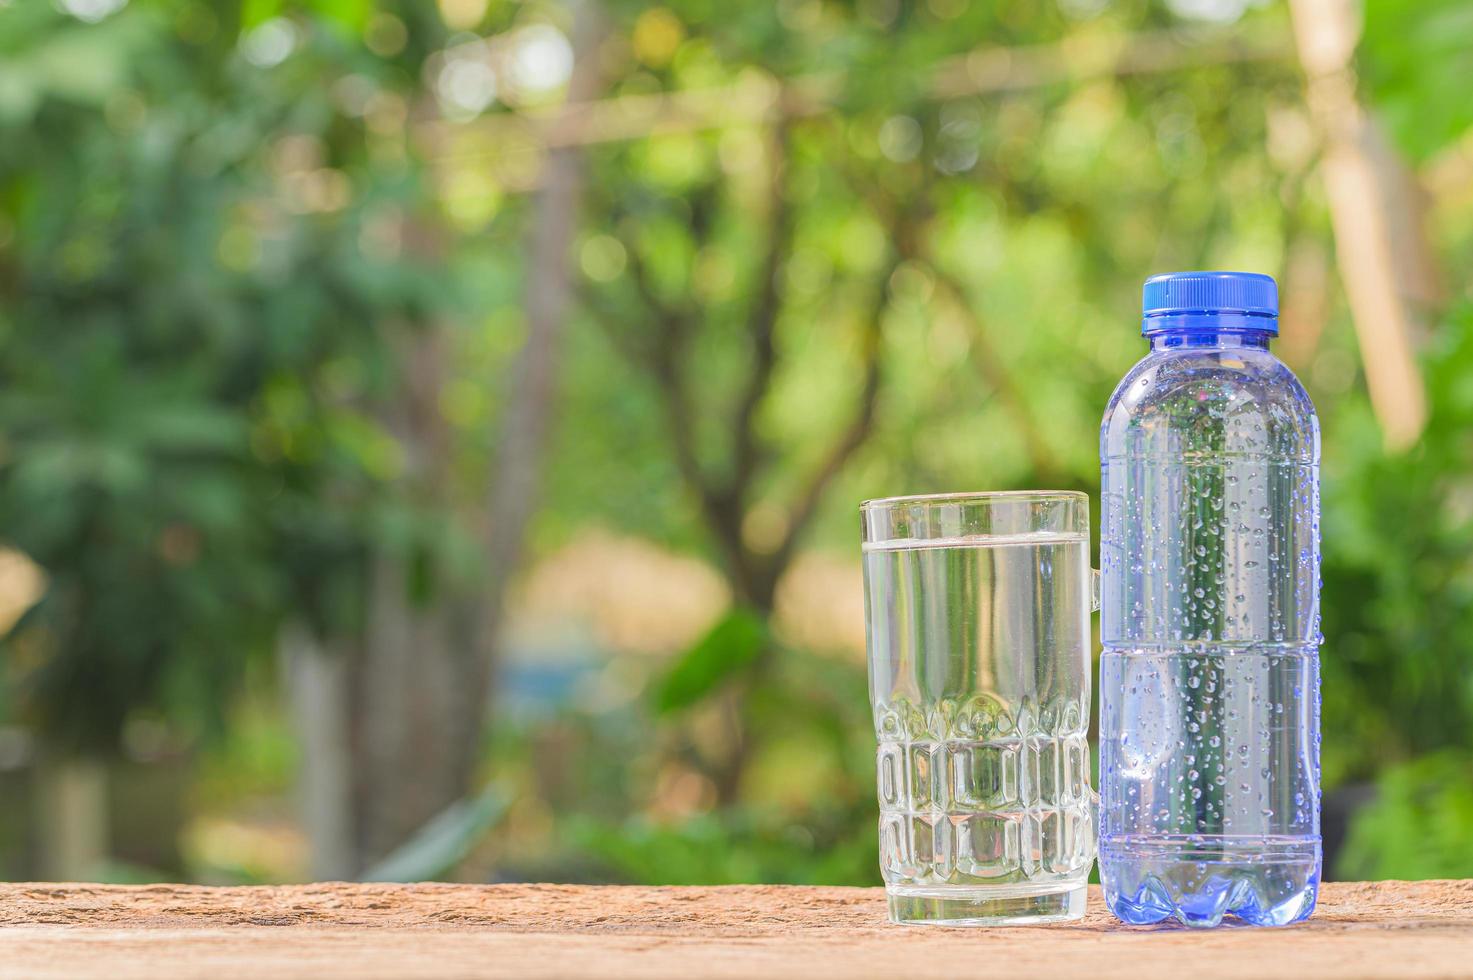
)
(1209, 680)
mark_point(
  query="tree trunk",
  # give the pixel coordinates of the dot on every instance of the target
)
(517, 480)
(317, 691)
(1385, 262)
(414, 710)
(403, 744)
(416, 719)
(72, 814)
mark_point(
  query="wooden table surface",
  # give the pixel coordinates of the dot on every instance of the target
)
(1372, 929)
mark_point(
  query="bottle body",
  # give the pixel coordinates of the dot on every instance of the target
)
(1209, 678)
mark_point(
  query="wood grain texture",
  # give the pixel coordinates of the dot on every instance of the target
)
(327, 931)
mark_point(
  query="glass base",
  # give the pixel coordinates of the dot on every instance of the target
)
(961, 905)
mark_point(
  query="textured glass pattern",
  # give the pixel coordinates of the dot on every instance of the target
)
(1010, 809)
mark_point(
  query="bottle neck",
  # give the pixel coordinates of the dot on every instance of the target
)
(1218, 339)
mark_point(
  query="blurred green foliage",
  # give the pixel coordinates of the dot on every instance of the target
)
(1397, 578)
(189, 360)
(1419, 826)
(1415, 61)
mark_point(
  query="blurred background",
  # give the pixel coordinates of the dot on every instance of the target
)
(431, 433)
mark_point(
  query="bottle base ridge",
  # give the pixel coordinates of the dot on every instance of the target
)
(1199, 883)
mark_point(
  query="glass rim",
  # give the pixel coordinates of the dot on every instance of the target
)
(972, 496)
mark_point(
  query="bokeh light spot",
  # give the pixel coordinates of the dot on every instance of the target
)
(270, 43)
(462, 15)
(542, 59)
(92, 11)
(386, 35)
(471, 198)
(900, 138)
(466, 87)
(602, 258)
(657, 36)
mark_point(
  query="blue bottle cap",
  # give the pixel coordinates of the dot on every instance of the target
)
(1210, 301)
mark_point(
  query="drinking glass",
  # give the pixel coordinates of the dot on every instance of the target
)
(977, 614)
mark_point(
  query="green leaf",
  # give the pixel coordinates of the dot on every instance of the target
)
(732, 644)
(440, 844)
